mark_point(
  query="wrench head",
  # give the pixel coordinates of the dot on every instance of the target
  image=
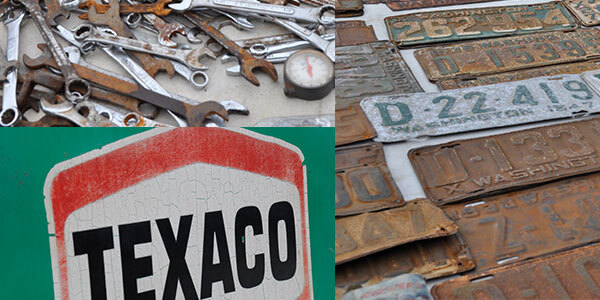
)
(193, 59)
(248, 66)
(197, 114)
(45, 59)
(181, 6)
(167, 31)
(234, 107)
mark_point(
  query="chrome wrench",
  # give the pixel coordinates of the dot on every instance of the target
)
(322, 15)
(260, 49)
(328, 47)
(130, 119)
(10, 111)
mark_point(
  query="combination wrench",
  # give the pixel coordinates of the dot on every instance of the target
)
(10, 111)
(76, 88)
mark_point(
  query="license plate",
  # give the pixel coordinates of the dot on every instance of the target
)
(370, 69)
(586, 11)
(401, 117)
(348, 8)
(431, 258)
(571, 274)
(363, 181)
(469, 168)
(572, 68)
(364, 234)
(477, 23)
(352, 125)
(499, 55)
(397, 5)
(530, 223)
(353, 33)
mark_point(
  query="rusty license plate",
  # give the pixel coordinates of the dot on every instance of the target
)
(352, 125)
(491, 56)
(370, 69)
(364, 234)
(431, 258)
(348, 8)
(353, 33)
(363, 181)
(586, 11)
(397, 5)
(520, 225)
(477, 23)
(466, 169)
(401, 117)
(570, 68)
(573, 274)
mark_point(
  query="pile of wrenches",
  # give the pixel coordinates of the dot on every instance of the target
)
(138, 36)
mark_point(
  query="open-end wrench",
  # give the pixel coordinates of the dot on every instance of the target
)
(120, 119)
(262, 50)
(55, 82)
(232, 107)
(10, 114)
(247, 61)
(71, 112)
(195, 114)
(157, 8)
(322, 15)
(165, 30)
(328, 47)
(53, 11)
(276, 58)
(112, 19)
(76, 88)
(189, 57)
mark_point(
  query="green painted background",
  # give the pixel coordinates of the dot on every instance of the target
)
(27, 154)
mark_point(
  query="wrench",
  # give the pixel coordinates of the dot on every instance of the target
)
(328, 47)
(165, 30)
(276, 58)
(195, 114)
(130, 119)
(10, 109)
(54, 10)
(112, 19)
(157, 8)
(55, 82)
(262, 50)
(6, 66)
(76, 88)
(247, 61)
(73, 113)
(322, 15)
(191, 58)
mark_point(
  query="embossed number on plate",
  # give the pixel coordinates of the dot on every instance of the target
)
(477, 23)
(396, 5)
(505, 54)
(468, 168)
(530, 223)
(402, 117)
(361, 235)
(587, 11)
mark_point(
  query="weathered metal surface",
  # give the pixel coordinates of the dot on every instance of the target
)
(406, 286)
(371, 69)
(363, 181)
(431, 258)
(397, 5)
(348, 8)
(570, 68)
(592, 78)
(466, 169)
(361, 235)
(402, 117)
(352, 125)
(573, 274)
(586, 11)
(477, 23)
(505, 54)
(353, 33)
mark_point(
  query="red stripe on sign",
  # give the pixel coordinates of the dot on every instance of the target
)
(111, 172)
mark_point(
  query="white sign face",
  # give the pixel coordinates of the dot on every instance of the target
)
(148, 217)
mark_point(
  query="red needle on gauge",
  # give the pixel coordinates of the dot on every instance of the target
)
(308, 67)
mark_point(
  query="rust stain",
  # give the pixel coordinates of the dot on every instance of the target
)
(397, 5)
(353, 33)
(352, 125)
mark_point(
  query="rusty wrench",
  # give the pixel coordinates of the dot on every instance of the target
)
(76, 88)
(247, 61)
